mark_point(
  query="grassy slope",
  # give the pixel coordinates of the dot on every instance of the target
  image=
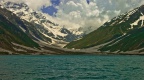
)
(131, 41)
(10, 32)
(111, 31)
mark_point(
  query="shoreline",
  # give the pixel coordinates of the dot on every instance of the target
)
(73, 53)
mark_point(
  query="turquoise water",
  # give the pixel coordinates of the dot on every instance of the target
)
(72, 67)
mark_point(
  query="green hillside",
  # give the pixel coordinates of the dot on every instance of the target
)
(111, 31)
(11, 33)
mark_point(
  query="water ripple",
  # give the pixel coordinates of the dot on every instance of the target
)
(74, 67)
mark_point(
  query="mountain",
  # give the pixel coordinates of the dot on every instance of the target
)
(11, 34)
(39, 26)
(123, 34)
(19, 36)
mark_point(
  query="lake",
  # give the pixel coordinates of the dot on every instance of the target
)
(71, 67)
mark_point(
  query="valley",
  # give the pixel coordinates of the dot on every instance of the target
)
(25, 31)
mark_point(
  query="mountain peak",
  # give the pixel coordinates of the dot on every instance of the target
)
(44, 29)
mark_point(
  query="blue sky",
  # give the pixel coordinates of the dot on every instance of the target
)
(51, 10)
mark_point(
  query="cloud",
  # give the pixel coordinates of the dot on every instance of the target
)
(93, 13)
(84, 13)
(79, 13)
(34, 4)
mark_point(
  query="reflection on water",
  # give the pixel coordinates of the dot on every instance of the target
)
(73, 67)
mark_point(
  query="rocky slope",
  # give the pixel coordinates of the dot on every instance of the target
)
(123, 34)
(18, 36)
(41, 28)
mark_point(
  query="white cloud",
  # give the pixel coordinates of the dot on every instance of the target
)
(78, 13)
(34, 4)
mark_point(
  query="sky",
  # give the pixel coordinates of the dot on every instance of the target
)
(82, 13)
(89, 13)
(51, 10)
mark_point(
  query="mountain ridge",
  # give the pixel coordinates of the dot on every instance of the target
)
(25, 31)
(45, 30)
(16, 38)
(116, 35)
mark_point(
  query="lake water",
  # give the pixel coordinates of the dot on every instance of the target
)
(72, 67)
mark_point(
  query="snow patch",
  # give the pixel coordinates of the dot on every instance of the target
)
(4, 50)
(136, 22)
(22, 29)
(17, 49)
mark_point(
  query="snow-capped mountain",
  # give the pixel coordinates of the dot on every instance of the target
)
(122, 34)
(41, 28)
(16, 37)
